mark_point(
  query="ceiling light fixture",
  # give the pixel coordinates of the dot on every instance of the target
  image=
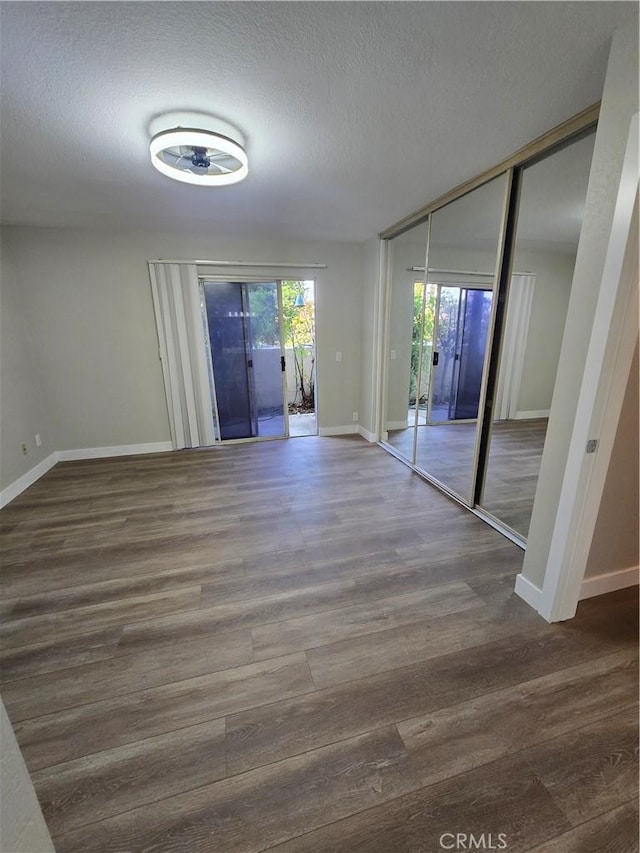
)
(198, 149)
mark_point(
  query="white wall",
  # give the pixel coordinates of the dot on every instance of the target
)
(22, 827)
(24, 411)
(85, 302)
(554, 273)
(619, 104)
(615, 539)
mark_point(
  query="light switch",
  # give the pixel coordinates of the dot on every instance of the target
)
(338, 356)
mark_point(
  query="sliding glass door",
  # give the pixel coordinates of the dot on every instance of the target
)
(244, 331)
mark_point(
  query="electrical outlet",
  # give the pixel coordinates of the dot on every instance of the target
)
(38, 440)
(23, 448)
(354, 417)
(393, 355)
(338, 356)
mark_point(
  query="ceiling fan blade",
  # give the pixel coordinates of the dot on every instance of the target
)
(222, 168)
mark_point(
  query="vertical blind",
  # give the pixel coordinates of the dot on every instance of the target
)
(176, 301)
(516, 331)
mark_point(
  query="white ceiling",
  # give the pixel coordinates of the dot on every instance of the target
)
(355, 114)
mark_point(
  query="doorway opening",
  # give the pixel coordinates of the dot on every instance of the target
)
(299, 324)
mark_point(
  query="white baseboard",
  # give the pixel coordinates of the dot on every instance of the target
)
(115, 450)
(393, 425)
(609, 582)
(18, 486)
(370, 436)
(528, 591)
(349, 429)
(530, 416)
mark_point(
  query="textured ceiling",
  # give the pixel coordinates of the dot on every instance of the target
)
(355, 114)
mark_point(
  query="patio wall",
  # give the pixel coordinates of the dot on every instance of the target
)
(267, 375)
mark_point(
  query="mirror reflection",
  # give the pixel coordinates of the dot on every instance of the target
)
(462, 261)
(405, 376)
(549, 221)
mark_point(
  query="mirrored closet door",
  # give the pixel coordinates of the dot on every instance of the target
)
(478, 293)
(552, 197)
(442, 276)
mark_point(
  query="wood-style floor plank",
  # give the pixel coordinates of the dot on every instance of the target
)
(80, 620)
(256, 810)
(83, 595)
(340, 661)
(106, 783)
(56, 654)
(62, 736)
(592, 769)
(460, 737)
(261, 611)
(612, 832)
(273, 732)
(219, 650)
(93, 682)
(502, 797)
(306, 632)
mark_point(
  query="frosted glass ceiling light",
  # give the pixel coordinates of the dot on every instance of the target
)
(197, 149)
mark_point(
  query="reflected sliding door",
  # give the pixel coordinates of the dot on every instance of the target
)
(462, 324)
(462, 261)
(243, 327)
(471, 350)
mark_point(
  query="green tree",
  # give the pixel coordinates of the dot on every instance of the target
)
(299, 334)
(263, 306)
(422, 308)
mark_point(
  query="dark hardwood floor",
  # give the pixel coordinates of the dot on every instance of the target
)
(302, 646)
